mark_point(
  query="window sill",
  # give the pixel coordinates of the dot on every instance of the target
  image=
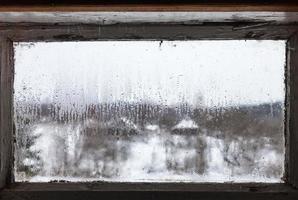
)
(118, 191)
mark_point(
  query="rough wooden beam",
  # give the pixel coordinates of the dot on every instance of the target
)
(104, 18)
(146, 31)
(218, 7)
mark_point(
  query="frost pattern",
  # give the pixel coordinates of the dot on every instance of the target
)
(149, 111)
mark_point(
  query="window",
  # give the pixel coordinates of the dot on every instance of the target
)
(185, 128)
(153, 111)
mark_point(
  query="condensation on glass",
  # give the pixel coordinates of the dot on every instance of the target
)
(150, 111)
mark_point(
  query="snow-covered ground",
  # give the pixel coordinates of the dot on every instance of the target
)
(147, 159)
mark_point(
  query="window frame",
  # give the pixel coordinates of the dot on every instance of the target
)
(32, 32)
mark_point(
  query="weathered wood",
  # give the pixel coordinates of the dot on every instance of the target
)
(143, 7)
(95, 195)
(97, 2)
(292, 136)
(103, 18)
(160, 31)
(161, 187)
(6, 78)
(156, 191)
(62, 32)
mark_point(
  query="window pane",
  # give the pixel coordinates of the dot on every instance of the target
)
(153, 111)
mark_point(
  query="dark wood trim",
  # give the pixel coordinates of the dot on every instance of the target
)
(292, 137)
(217, 7)
(142, 191)
(145, 186)
(122, 195)
(146, 31)
(140, 2)
(6, 81)
(31, 32)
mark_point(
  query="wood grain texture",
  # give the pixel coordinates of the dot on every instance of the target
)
(144, 191)
(160, 31)
(161, 187)
(6, 78)
(292, 137)
(117, 2)
(105, 18)
(232, 7)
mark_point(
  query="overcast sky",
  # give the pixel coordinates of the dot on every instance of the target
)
(209, 73)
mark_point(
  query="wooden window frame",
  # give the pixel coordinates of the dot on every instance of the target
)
(32, 32)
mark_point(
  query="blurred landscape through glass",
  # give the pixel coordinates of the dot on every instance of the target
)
(150, 111)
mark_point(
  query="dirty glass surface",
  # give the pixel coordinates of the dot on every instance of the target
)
(149, 111)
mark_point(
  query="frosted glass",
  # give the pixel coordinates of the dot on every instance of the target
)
(149, 111)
